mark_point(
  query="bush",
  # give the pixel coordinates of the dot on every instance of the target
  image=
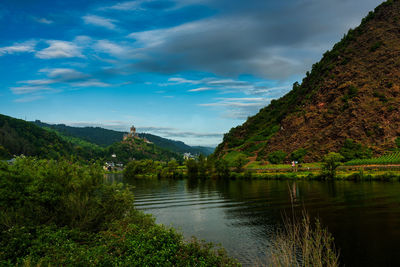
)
(352, 150)
(239, 163)
(397, 141)
(34, 192)
(276, 157)
(330, 163)
(298, 154)
(63, 214)
(222, 168)
(192, 168)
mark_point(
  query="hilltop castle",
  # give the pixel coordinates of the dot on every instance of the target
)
(131, 134)
(134, 135)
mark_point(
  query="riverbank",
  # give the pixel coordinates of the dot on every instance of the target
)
(60, 213)
(347, 176)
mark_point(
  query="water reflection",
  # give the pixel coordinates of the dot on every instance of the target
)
(243, 214)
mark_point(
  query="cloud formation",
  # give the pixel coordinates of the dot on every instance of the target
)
(263, 38)
(24, 47)
(59, 49)
(44, 21)
(100, 21)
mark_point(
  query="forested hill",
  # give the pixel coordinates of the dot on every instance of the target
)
(104, 137)
(96, 135)
(20, 137)
(177, 146)
(352, 93)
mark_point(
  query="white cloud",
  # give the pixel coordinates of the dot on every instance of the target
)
(28, 89)
(200, 89)
(91, 83)
(178, 80)
(28, 99)
(100, 21)
(126, 6)
(38, 82)
(25, 47)
(64, 74)
(44, 21)
(108, 47)
(60, 49)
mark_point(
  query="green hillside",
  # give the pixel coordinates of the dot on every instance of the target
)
(104, 137)
(20, 137)
(96, 135)
(177, 146)
(352, 93)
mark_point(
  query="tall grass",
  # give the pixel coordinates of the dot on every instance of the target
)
(302, 243)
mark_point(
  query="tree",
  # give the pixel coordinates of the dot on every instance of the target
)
(202, 163)
(298, 154)
(276, 157)
(239, 163)
(222, 168)
(192, 168)
(352, 150)
(330, 163)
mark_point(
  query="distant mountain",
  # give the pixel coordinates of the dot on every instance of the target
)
(105, 137)
(96, 135)
(177, 146)
(352, 93)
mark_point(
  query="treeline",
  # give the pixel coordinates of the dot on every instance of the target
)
(96, 135)
(20, 137)
(60, 213)
(200, 168)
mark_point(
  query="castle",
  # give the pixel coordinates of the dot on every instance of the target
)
(134, 135)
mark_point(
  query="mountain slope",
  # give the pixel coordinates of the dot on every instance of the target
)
(351, 93)
(177, 146)
(20, 137)
(104, 137)
(96, 135)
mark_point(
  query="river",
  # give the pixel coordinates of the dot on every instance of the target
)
(242, 215)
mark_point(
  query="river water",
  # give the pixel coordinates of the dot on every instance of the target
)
(242, 215)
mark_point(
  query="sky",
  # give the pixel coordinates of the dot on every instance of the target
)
(186, 70)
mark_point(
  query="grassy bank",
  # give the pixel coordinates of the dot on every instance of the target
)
(350, 176)
(59, 213)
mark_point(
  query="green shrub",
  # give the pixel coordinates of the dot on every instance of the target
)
(352, 150)
(397, 141)
(64, 214)
(330, 163)
(34, 192)
(239, 163)
(277, 157)
(298, 155)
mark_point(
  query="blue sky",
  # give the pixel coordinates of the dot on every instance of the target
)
(187, 70)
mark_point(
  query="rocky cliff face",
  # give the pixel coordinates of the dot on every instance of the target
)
(353, 92)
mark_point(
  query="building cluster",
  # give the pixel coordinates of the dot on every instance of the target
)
(188, 155)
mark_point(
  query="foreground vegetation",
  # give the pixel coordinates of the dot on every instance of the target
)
(59, 213)
(302, 243)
